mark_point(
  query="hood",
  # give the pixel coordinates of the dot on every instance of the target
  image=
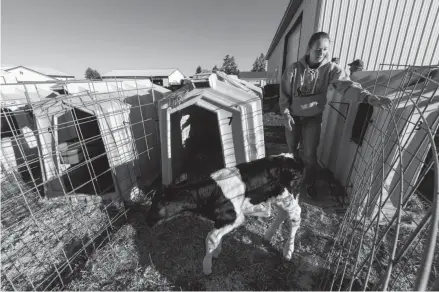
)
(309, 79)
(305, 63)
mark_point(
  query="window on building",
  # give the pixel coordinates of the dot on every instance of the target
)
(361, 123)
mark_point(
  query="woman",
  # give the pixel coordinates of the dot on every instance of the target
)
(302, 100)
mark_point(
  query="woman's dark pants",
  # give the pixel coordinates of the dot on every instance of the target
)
(307, 131)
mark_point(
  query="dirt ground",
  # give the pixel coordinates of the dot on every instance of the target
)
(170, 256)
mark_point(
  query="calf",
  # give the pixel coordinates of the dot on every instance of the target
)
(230, 194)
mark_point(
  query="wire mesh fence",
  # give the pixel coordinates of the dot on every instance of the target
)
(73, 152)
(72, 155)
(387, 239)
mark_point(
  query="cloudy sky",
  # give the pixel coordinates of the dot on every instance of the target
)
(71, 35)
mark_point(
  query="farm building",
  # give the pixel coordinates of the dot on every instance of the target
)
(373, 31)
(377, 32)
(162, 77)
(31, 73)
(219, 120)
(256, 78)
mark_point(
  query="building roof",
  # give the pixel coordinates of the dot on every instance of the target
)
(45, 71)
(140, 73)
(252, 75)
(285, 22)
(14, 94)
(123, 87)
(6, 67)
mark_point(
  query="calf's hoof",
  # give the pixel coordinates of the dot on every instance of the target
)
(207, 267)
(207, 272)
(288, 254)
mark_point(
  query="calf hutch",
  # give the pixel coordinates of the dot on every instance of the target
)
(19, 148)
(100, 139)
(210, 124)
(141, 96)
(81, 139)
(353, 133)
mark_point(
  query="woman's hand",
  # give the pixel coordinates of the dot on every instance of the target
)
(289, 121)
(381, 102)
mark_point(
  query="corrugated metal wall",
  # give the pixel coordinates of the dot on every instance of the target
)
(404, 32)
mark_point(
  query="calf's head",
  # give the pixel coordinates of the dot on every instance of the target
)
(168, 205)
(291, 169)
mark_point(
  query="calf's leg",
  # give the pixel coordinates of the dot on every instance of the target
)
(294, 217)
(218, 250)
(281, 215)
(213, 240)
(291, 208)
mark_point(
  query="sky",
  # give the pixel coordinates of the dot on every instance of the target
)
(71, 35)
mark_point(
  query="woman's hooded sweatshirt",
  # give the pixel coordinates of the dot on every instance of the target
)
(303, 90)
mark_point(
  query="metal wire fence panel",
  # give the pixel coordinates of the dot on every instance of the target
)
(72, 155)
(388, 237)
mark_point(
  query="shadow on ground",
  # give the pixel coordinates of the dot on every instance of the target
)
(170, 256)
(176, 250)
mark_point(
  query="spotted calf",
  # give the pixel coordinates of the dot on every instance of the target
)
(230, 194)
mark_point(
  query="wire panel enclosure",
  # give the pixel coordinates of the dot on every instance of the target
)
(388, 236)
(72, 154)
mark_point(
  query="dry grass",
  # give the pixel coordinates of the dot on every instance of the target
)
(40, 238)
(272, 119)
(404, 271)
(170, 256)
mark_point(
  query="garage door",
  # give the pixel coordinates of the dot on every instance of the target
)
(292, 53)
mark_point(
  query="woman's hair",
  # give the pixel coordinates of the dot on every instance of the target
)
(316, 36)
